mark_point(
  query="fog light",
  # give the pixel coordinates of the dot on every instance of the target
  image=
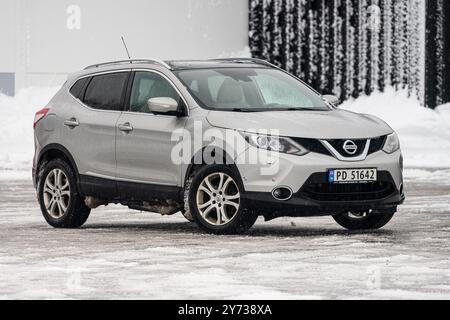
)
(282, 193)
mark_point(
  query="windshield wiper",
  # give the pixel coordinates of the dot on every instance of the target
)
(249, 110)
(311, 109)
(283, 107)
(245, 110)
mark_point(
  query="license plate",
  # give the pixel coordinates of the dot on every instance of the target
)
(352, 175)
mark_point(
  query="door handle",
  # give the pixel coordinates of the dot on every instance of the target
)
(126, 127)
(72, 123)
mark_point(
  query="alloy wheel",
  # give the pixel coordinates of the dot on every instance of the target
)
(56, 193)
(218, 199)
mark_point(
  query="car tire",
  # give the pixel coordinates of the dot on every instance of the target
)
(219, 208)
(369, 220)
(188, 216)
(61, 204)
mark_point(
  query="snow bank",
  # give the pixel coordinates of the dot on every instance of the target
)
(244, 53)
(16, 130)
(424, 133)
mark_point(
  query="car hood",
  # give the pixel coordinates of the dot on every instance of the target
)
(335, 124)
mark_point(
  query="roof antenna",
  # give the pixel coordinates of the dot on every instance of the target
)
(126, 48)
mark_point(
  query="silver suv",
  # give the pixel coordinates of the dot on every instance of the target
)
(221, 141)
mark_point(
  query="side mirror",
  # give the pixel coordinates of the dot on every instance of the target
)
(331, 99)
(162, 105)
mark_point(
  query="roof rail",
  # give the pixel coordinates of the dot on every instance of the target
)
(247, 60)
(131, 61)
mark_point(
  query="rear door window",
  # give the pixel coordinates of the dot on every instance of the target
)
(106, 92)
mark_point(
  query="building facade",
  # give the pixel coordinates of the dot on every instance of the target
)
(43, 41)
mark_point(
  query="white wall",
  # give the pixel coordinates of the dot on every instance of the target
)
(7, 30)
(49, 38)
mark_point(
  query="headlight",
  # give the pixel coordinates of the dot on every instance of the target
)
(392, 143)
(276, 144)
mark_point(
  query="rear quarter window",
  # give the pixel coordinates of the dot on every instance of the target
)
(77, 89)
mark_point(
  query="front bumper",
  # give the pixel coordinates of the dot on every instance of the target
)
(307, 177)
(318, 197)
(275, 170)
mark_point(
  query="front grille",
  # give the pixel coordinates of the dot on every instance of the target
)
(377, 144)
(338, 145)
(317, 188)
(314, 145)
(349, 192)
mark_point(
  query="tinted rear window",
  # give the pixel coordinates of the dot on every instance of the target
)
(78, 88)
(105, 92)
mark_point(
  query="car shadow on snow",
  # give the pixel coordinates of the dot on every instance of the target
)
(256, 231)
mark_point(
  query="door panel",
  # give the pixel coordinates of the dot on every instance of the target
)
(144, 146)
(89, 124)
(92, 141)
(144, 154)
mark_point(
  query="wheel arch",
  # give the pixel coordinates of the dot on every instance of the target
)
(56, 151)
(193, 166)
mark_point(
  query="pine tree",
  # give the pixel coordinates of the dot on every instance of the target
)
(296, 42)
(302, 37)
(338, 54)
(375, 21)
(382, 49)
(396, 47)
(440, 52)
(306, 52)
(267, 30)
(362, 46)
(277, 33)
(352, 47)
(356, 23)
(405, 62)
(368, 44)
(419, 49)
(446, 51)
(342, 12)
(289, 34)
(256, 36)
(323, 54)
(313, 44)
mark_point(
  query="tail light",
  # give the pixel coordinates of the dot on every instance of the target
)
(41, 114)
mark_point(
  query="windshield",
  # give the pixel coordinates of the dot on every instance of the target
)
(249, 90)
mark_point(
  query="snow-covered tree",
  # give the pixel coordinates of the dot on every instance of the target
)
(349, 47)
(440, 51)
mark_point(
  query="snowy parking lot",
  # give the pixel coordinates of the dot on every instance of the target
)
(124, 254)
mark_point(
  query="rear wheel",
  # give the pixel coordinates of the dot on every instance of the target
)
(60, 202)
(215, 201)
(365, 220)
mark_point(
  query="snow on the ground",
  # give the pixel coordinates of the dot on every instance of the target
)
(122, 254)
(440, 176)
(16, 130)
(424, 133)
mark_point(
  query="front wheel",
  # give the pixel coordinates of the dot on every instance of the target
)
(365, 220)
(215, 200)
